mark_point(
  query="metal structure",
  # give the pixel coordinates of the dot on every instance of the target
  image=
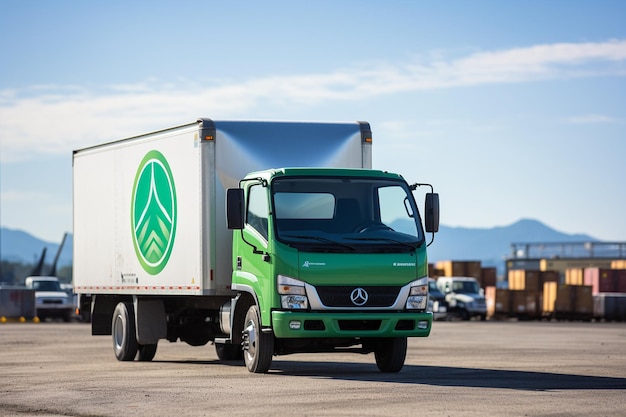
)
(568, 250)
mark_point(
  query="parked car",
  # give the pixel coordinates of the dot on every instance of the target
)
(50, 299)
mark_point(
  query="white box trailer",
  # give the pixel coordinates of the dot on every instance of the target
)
(153, 253)
(208, 157)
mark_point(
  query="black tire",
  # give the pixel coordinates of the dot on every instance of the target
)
(123, 330)
(258, 347)
(229, 352)
(146, 353)
(390, 354)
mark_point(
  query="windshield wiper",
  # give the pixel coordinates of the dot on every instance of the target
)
(320, 239)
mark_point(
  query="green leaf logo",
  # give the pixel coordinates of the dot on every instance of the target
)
(153, 212)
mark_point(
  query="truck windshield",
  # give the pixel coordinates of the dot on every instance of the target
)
(46, 286)
(340, 214)
(466, 287)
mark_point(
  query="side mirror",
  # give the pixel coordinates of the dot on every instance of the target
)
(234, 208)
(431, 208)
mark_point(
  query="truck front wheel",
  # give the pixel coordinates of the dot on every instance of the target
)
(258, 347)
(123, 329)
(390, 354)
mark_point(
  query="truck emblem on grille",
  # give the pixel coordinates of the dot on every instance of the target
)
(359, 296)
(153, 212)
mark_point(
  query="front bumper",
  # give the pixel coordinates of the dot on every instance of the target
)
(295, 324)
(66, 311)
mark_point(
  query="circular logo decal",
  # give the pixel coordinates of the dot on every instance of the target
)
(153, 212)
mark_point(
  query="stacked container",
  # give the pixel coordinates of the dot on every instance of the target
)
(567, 301)
(609, 290)
(574, 276)
(485, 276)
(605, 280)
(459, 268)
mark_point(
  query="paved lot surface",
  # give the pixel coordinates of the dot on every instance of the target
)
(462, 369)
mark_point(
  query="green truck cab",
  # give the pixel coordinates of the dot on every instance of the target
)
(331, 259)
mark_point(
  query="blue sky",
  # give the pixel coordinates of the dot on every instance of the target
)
(510, 109)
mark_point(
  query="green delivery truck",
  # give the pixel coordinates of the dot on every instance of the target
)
(263, 238)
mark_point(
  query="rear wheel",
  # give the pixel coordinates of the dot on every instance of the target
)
(123, 329)
(146, 352)
(258, 347)
(390, 354)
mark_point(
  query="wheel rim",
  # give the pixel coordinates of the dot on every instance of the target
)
(250, 337)
(118, 332)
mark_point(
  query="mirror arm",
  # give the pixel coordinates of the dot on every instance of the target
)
(414, 187)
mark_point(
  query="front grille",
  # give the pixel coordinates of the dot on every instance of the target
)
(332, 296)
(52, 301)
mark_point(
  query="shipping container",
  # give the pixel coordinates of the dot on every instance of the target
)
(563, 264)
(525, 303)
(618, 264)
(549, 297)
(530, 280)
(520, 304)
(574, 276)
(433, 272)
(498, 302)
(488, 277)
(573, 302)
(460, 268)
(16, 302)
(522, 279)
(605, 280)
(609, 306)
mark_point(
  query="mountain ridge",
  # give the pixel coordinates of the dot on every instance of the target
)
(491, 246)
(20, 246)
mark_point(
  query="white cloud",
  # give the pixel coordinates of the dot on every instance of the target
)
(55, 119)
(592, 119)
(14, 196)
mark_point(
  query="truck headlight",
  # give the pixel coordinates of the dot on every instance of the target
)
(418, 296)
(292, 293)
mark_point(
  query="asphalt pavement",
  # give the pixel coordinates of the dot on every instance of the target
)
(472, 368)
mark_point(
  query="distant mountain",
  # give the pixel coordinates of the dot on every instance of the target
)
(20, 246)
(490, 246)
